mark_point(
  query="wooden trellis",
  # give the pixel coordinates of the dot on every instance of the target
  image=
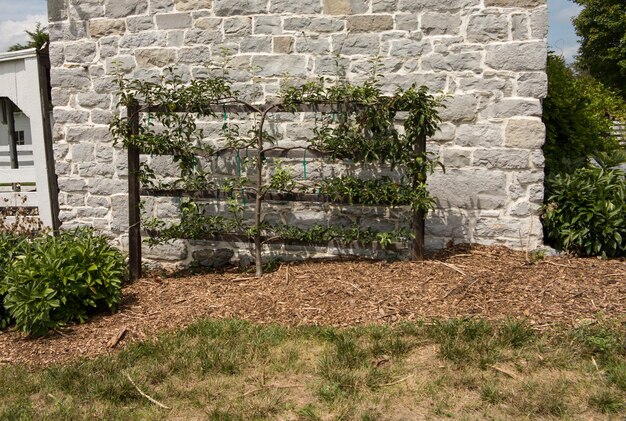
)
(134, 189)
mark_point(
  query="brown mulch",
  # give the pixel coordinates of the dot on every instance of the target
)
(487, 282)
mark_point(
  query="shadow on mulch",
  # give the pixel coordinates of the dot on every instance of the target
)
(464, 281)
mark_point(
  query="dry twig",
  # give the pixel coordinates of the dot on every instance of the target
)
(503, 371)
(118, 337)
(154, 401)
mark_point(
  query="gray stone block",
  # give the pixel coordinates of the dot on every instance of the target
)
(86, 9)
(75, 79)
(539, 23)
(525, 133)
(140, 23)
(124, 8)
(239, 7)
(120, 64)
(161, 6)
(278, 65)
(460, 108)
(238, 26)
(487, 27)
(457, 157)
(208, 23)
(199, 36)
(312, 45)
(70, 116)
(107, 187)
(283, 45)
(92, 100)
(267, 25)
(103, 27)
(345, 7)
(480, 134)
(194, 55)
(81, 52)
(453, 62)
(213, 258)
(409, 48)
(370, 23)
(356, 44)
(297, 7)
(469, 189)
(192, 5)
(173, 20)
(434, 23)
(421, 5)
(312, 24)
(533, 85)
(406, 22)
(155, 57)
(520, 30)
(514, 3)
(57, 10)
(82, 152)
(501, 158)
(517, 56)
(144, 39)
(67, 31)
(513, 107)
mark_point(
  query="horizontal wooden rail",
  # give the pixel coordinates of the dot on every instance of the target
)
(19, 175)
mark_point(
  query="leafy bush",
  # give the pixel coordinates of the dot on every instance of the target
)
(55, 280)
(585, 212)
(10, 245)
(578, 114)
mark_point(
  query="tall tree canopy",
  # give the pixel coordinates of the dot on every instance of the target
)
(38, 38)
(602, 28)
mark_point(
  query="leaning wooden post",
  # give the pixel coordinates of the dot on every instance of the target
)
(134, 223)
(419, 216)
(9, 109)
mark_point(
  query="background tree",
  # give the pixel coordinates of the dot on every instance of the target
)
(578, 114)
(38, 38)
(602, 28)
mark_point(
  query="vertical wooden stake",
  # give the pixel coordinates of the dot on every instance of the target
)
(10, 109)
(134, 222)
(43, 60)
(419, 217)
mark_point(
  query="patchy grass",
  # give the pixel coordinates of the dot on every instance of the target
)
(234, 370)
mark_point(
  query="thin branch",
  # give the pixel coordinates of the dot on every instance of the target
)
(154, 401)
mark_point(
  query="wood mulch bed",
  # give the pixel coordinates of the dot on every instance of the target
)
(477, 281)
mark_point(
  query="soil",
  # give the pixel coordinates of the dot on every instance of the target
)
(463, 281)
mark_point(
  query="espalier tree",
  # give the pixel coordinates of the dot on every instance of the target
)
(355, 125)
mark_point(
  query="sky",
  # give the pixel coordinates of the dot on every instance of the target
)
(19, 15)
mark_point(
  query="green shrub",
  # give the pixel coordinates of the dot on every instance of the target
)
(578, 114)
(55, 280)
(585, 212)
(10, 245)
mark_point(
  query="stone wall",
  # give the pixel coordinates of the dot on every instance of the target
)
(488, 55)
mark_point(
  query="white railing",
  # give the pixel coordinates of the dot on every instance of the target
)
(619, 131)
(25, 156)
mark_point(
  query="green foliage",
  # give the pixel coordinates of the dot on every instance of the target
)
(38, 38)
(601, 25)
(585, 212)
(10, 246)
(376, 192)
(54, 280)
(578, 114)
(361, 131)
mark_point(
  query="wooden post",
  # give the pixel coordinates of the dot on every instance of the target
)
(419, 217)
(43, 60)
(10, 110)
(134, 222)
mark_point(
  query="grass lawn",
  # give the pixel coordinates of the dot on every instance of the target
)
(235, 370)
